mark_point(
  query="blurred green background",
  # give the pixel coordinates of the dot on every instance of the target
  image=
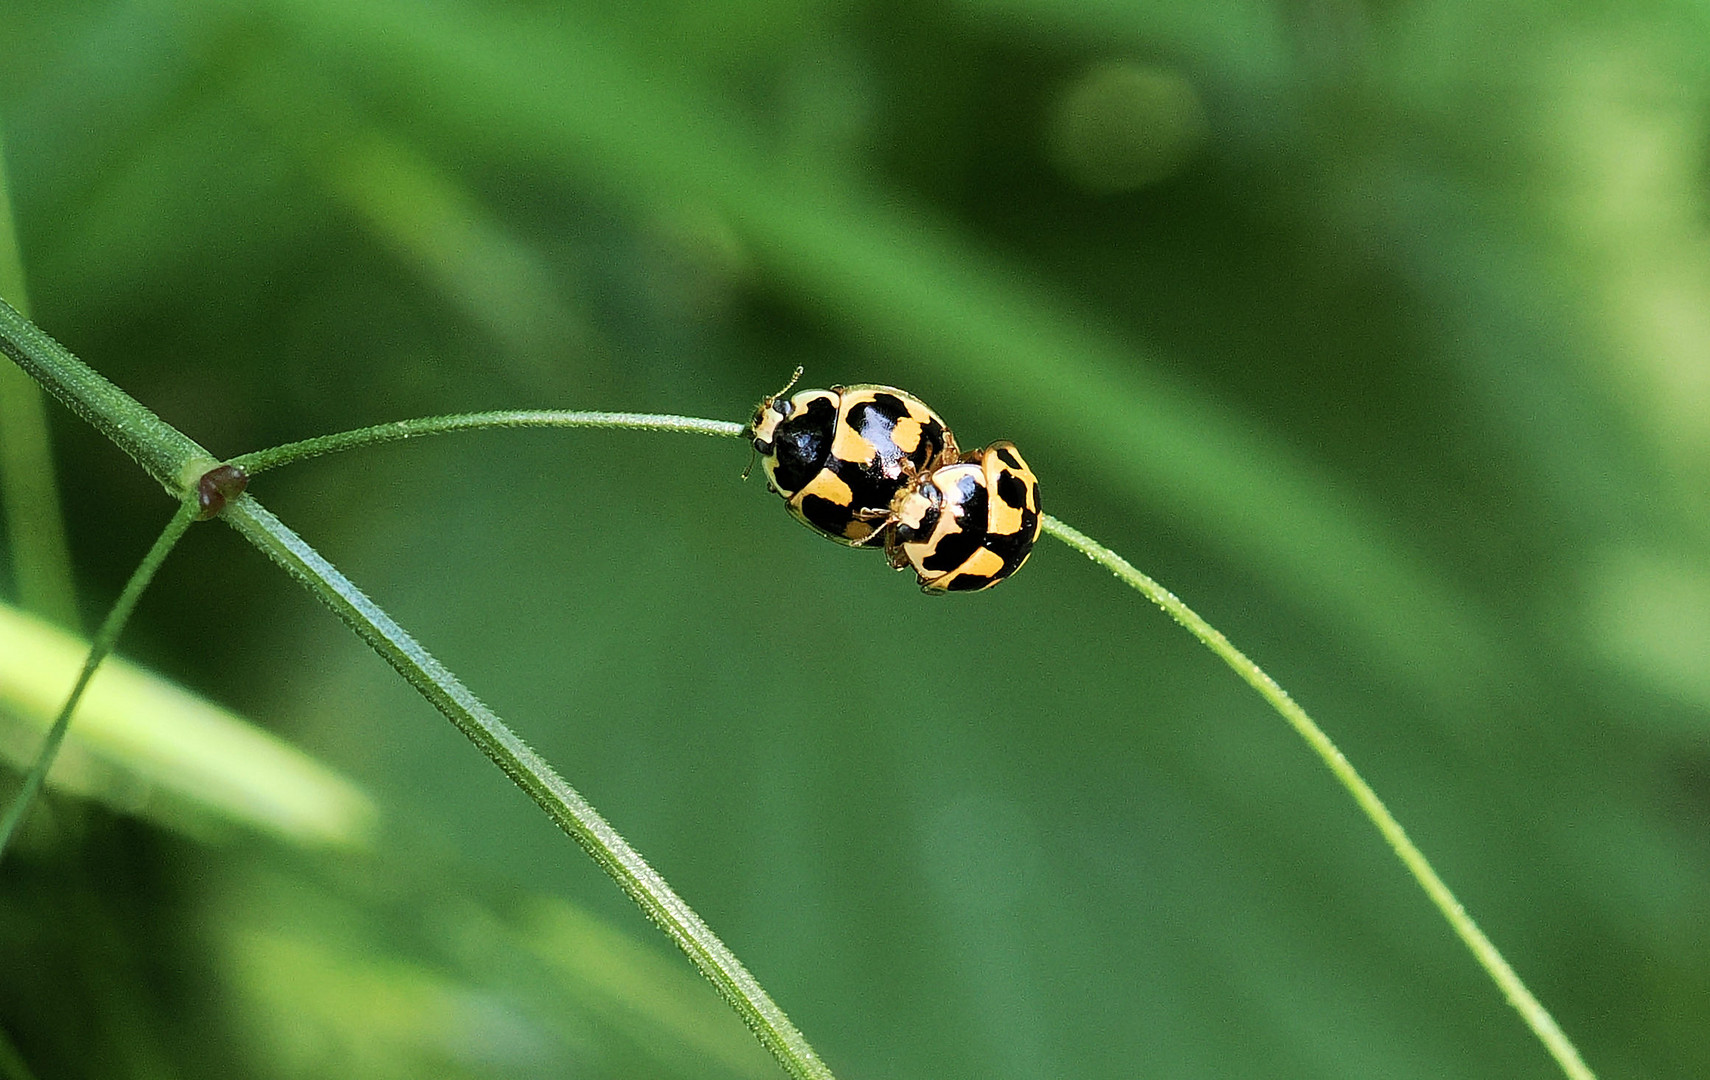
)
(1378, 331)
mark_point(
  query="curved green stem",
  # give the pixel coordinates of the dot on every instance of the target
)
(174, 459)
(440, 425)
(1537, 1018)
(105, 639)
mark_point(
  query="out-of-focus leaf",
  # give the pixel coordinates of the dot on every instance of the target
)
(358, 1012)
(1650, 613)
(534, 984)
(136, 736)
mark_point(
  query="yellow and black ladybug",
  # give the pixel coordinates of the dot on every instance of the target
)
(839, 457)
(968, 525)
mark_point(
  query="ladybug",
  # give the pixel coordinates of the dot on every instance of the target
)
(840, 457)
(968, 525)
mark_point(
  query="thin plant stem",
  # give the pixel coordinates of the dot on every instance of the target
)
(35, 527)
(262, 460)
(105, 639)
(540, 781)
(171, 457)
(1537, 1018)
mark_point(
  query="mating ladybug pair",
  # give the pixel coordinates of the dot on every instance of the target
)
(868, 465)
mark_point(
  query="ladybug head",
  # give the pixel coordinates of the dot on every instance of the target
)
(771, 412)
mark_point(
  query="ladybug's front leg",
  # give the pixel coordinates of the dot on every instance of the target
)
(882, 519)
(950, 455)
(894, 549)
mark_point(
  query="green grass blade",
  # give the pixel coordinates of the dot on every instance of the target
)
(136, 730)
(174, 459)
(35, 528)
(105, 639)
(34, 525)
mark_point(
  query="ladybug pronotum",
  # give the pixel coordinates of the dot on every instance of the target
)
(839, 457)
(967, 526)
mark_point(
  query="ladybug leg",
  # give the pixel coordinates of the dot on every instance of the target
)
(911, 473)
(950, 455)
(894, 552)
(881, 531)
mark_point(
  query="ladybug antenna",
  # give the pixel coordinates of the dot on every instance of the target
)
(764, 405)
(792, 382)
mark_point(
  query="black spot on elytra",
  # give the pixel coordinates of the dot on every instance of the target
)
(1013, 547)
(1009, 457)
(826, 515)
(874, 483)
(968, 504)
(871, 485)
(1011, 489)
(801, 444)
(876, 421)
(887, 408)
(952, 551)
